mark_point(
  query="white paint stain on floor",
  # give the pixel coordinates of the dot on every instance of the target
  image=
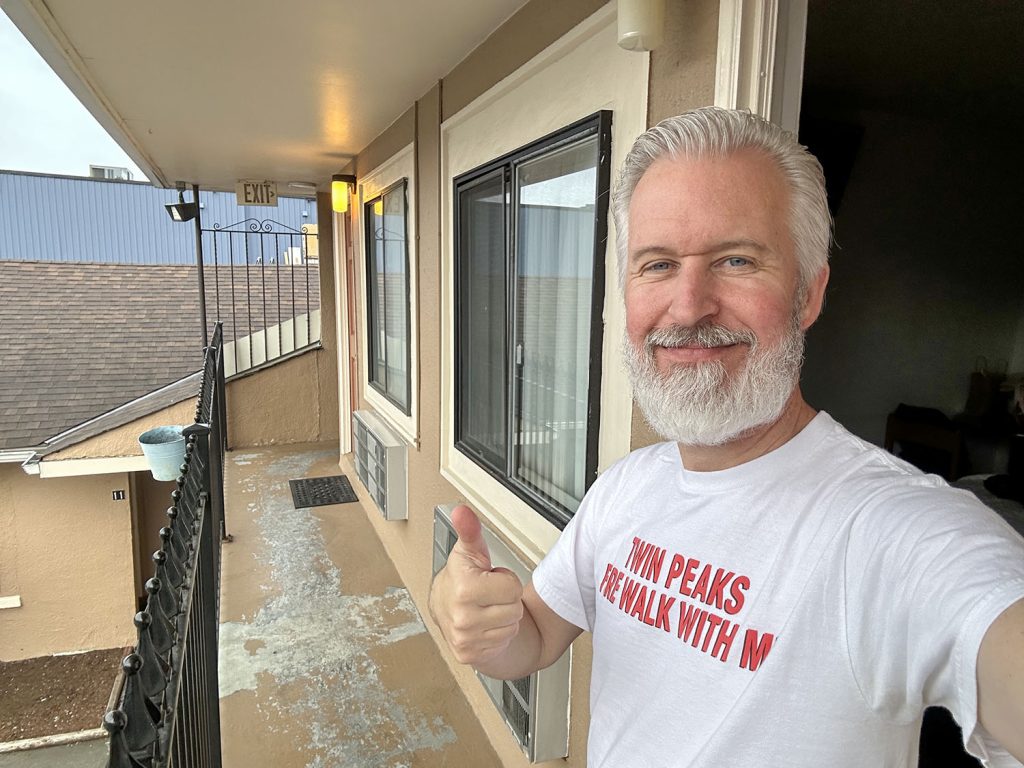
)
(311, 634)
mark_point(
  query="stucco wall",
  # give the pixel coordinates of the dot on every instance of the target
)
(681, 76)
(295, 401)
(66, 549)
(124, 441)
(281, 404)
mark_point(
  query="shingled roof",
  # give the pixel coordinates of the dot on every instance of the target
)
(78, 340)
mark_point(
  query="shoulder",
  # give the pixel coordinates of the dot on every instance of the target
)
(865, 474)
(891, 505)
(639, 466)
(881, 502)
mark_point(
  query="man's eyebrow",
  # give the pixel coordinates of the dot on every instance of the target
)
(743, 242)
(725, 245)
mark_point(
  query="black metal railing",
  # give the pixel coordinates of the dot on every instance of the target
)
(169, 713)
(262, 281)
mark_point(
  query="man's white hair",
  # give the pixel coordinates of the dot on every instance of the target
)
(717, 132)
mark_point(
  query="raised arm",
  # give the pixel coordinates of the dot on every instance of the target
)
(1001, 680)
(489, 620)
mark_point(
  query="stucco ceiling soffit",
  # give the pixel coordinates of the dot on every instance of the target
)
(208, 93)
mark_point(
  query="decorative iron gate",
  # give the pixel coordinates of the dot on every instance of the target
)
(265, 289)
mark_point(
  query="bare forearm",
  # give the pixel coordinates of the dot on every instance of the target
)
(1001, 680)
(522, 657)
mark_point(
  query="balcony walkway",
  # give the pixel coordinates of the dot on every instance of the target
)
(325, 662)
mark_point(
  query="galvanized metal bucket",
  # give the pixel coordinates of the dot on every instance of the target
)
(164, 449)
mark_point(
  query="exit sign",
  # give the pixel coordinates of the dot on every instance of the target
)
(254, 192)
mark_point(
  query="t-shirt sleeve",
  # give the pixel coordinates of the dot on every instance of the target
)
(927, 573)
(564, 579)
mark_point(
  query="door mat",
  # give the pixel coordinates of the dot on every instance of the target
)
(318, 491)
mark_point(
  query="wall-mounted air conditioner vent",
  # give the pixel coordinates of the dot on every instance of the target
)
(536, 708)
(380, 459)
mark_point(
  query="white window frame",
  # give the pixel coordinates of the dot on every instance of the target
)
(401, 165)
(583, 72)
(760, 63)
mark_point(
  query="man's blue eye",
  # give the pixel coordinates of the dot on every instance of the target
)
(737, 261)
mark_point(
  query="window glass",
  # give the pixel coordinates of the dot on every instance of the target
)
(554, 286)
(482, 290)
(387, 282)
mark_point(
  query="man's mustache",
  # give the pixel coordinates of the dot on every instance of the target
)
(706, 335)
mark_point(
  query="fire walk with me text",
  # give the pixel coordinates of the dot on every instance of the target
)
(697, 620)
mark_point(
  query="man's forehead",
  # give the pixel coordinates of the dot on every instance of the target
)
(749, 163)
(708, 204)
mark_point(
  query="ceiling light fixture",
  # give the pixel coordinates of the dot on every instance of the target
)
(641, 24)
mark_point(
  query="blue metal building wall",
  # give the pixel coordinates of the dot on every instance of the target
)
(74, 218)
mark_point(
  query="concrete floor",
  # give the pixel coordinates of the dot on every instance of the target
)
(325, 662)
(84, 754)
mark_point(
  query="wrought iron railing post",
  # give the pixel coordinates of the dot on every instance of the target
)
(141, 729)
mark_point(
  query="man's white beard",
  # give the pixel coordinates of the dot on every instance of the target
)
(699, 404)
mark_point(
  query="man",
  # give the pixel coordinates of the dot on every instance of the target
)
(765, 589)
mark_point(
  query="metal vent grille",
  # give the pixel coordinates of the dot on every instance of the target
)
(515, 705)
(380, 462)
(540, 724)
(318, 491)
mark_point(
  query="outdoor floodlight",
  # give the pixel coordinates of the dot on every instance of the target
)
(182, 211)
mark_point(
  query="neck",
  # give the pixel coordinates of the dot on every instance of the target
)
(752, 444)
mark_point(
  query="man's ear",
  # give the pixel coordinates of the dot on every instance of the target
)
(815, 299)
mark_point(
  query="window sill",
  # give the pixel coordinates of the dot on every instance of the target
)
(402, 425)
(522, 526)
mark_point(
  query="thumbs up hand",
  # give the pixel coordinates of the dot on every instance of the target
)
(477, 607)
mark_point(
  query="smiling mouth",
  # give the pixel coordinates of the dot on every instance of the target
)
(691, 354)
(696, 346)
(697, 340)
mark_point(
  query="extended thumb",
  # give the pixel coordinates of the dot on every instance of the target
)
(471, 536)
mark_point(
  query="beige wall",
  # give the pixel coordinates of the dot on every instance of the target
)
(124, 441)
(683, 67)
(681, 76)
(295, 401)
(284, 403)
(66, 549)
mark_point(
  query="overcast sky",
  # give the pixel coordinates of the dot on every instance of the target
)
(43, 127)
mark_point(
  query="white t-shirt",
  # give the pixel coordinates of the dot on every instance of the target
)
(801, 609)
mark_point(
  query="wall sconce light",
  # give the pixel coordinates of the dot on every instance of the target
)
(641, 24)
(182, 211)
(340, 192)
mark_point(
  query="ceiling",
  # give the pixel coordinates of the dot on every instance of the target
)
(212, 92)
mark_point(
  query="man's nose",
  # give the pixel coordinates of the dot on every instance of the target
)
(694, 296)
